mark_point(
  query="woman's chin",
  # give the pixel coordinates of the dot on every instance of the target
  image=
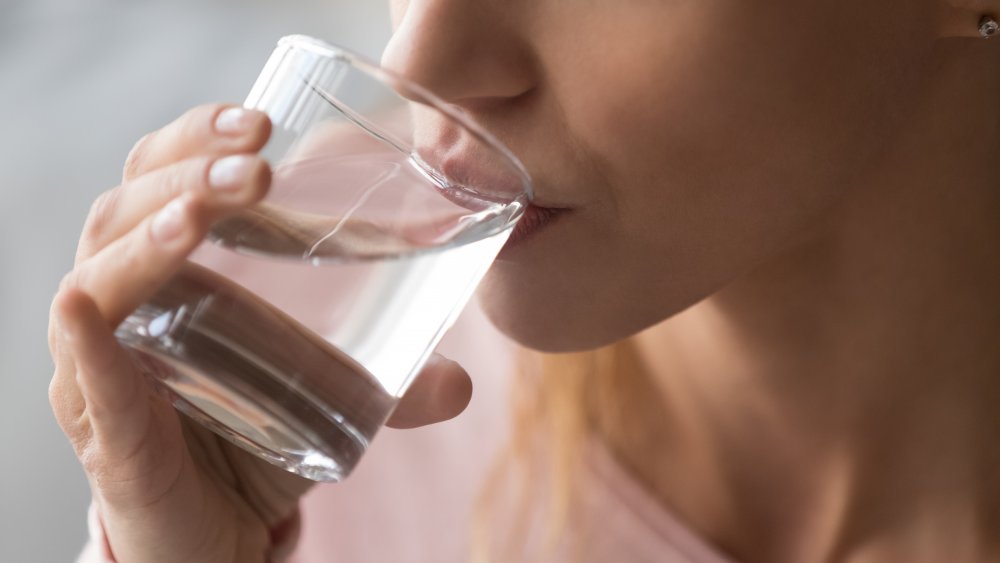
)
(541, 325)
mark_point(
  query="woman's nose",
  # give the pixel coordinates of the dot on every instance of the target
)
(465, 51)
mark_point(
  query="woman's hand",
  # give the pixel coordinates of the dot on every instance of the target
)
(170, 491)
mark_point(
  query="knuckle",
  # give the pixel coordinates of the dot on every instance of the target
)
(74, 279)
(53, 336)
(133, 162)
(185, 176)
(57, 391)
(102, 211)
(197, 122)
(53, 333)
(203, 113)
(56, 350)
(143, 262)
(197, 169)
(68, 281)
(187, 181)
(130, 257)
(69, 414)
(191, 126)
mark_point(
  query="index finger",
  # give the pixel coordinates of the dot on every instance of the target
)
(212, 130)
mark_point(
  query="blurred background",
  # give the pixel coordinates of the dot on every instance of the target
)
(80, 82)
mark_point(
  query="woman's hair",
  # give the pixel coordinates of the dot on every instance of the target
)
(559, 403)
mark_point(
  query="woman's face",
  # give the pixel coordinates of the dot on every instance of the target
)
(685, 140)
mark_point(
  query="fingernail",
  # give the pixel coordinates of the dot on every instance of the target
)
(169, 222)
(229, 173)
(233, 121)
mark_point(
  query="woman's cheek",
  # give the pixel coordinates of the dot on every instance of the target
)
(693, 130)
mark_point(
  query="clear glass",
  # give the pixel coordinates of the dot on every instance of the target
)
(295, 329)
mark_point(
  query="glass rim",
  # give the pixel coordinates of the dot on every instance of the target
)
(426, 97)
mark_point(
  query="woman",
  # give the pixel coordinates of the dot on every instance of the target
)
(773, 245)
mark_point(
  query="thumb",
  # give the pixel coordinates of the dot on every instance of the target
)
(440, 392)
(128, 437)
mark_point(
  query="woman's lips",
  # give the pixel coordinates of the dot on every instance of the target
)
(492, 182)
(535, 218)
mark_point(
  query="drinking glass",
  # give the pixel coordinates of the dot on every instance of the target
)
(296, 327)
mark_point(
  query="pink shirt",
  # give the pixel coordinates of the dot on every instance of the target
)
(412, 496)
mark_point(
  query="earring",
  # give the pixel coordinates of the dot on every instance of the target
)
(988, 27)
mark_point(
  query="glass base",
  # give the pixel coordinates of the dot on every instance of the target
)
(255, 376)
(305, 462)
(259, 428)
(256, 426)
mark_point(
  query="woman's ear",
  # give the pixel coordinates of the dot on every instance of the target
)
(969, 18)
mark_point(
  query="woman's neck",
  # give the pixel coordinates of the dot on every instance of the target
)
(839, 402)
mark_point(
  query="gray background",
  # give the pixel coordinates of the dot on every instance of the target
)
(80, 82)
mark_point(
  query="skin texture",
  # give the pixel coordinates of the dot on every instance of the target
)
(795, 202)
(686, 151)
(154, 474)
(792, 209)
